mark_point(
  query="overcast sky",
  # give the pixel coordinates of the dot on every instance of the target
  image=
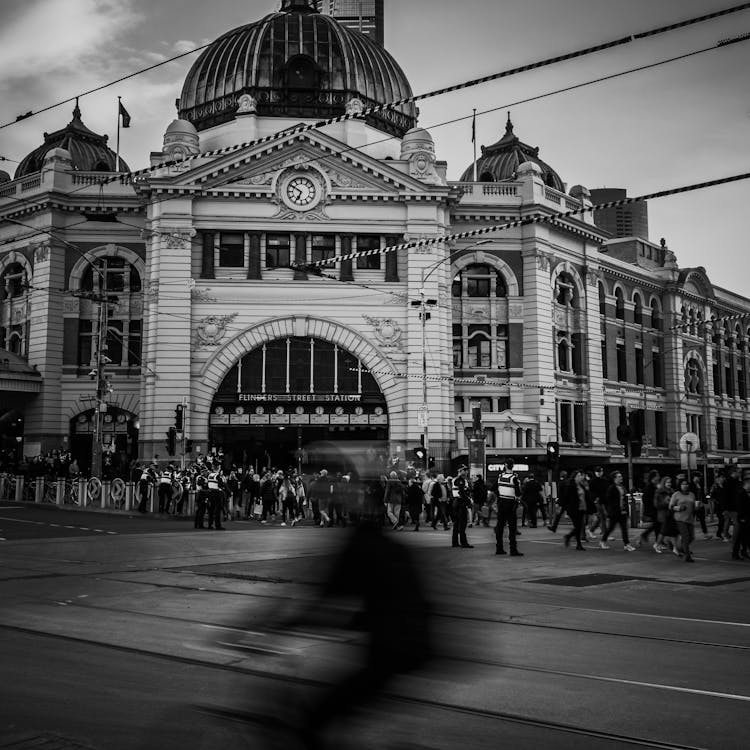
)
(678, 124)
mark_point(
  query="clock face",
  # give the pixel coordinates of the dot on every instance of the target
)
(302, 192)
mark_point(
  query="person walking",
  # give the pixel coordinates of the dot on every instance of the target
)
(532, 499)
(440, 496)
(479, 499)
(460, 507)
(215, 499)
(682, 504)
(414, 501)
(563, 485)
(616, 503)
(696, 485)
(732, 489)
(574, 503)
(650, 515)
(598, 492)
(508, 496)
(740, 552)
(394, 499)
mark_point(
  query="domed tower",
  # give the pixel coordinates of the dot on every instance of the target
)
(501, 160)
(88, 150)
(295, 63)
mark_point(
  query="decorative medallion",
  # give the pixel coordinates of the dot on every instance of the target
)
(247, 105)
(387, 331)
(202, 295)
(41, 253)
(211, 330)
(355, 107)
(178, 239)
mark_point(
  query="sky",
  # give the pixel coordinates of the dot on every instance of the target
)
(678, 124)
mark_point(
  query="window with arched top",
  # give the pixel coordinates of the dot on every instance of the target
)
(563, 352)
(693, 377)
(566, 292)
(14, 309)
(656, 319)
(637, 309)
(619, 304)
(479, 280)
(115, 278)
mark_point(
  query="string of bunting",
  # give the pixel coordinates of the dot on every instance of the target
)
(362, 114)
(535, 219)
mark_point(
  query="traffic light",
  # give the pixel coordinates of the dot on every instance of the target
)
(431, 462)
(178, 414)
(171, 441)
(188, 446)
(553, 453)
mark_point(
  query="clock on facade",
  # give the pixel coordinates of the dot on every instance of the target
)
(301, 192)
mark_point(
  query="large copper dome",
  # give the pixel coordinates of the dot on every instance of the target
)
(88, 150)
(501, 160)
(295, 63)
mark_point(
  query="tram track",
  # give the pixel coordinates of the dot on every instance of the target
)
(508, 621)
(224, 712)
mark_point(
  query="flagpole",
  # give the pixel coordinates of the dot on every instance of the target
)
(117, 162)
(474, 138)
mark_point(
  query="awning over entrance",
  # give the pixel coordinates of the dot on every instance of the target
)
(16, 375)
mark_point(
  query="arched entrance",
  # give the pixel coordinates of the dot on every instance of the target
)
(303, 402)
(119, 438)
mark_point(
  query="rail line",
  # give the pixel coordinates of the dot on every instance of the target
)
(250, 718)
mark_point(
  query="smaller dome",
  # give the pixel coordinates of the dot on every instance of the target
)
(4, 176)
(417, 139)
(87, 150)
(181, 127)
(501, 161)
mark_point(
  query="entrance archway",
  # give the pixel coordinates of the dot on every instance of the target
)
(299, 402)
(119, 439)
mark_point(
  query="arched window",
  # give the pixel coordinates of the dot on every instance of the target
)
(602, 301)
(480, 347)
(479, 281)
(119, 280)
(302, 73)
(563, 352)
(14, 288)
(566, 292)
(656, 319)
(693, 377)
(637, 310)
(619, 304)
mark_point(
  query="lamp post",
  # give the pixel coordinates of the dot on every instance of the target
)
(423, 303)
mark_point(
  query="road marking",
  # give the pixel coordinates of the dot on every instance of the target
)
(621, 681)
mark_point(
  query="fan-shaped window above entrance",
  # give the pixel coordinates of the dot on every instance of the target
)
(284, 400)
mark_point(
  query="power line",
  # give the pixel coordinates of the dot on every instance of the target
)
(535, 219)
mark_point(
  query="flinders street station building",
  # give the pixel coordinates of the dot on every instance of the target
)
(198, 284)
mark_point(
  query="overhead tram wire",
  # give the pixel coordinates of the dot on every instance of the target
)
(722, 43)
(535, 219)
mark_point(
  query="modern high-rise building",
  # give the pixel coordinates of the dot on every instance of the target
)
(365, 16)
(630, 220)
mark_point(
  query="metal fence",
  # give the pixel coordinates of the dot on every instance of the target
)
(85, 493)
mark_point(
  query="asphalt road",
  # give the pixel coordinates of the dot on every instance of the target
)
(133, 632)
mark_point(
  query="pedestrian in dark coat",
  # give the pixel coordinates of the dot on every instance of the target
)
(414, 501)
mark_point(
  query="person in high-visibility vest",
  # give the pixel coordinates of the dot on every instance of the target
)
(508, 496)
(215, 498)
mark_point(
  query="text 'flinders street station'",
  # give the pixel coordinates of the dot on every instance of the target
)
(195, 291)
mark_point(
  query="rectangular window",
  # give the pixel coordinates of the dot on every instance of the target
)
(717, 375)
(720, 433)
(368, 242)
(657, 369)
(458, 405)
(277, 251)
(85, 339)
(114, 342)
(566, 422)
(231, 249)
(745, 436)
(503, 403)
(579, 423)
(729, 381)
(323, 247)
(622, 365)
(741, 385)
(660, 436)
(606, 425)
(604, 359)
(490, 435)
(485, 405)
(639, 366)
(458, 347)
(479, 353)
(733, 434)
(134, 343)
(477, 287)
(576, 341)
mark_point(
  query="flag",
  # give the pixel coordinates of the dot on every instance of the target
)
(474, 128)
(125, 116)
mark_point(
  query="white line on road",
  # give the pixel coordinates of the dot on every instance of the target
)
(658, 686)
(657, 617)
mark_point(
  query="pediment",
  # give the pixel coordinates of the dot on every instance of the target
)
(347, 171)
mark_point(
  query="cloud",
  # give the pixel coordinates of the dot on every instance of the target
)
(63, 35)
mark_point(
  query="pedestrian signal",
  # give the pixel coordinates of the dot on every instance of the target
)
(178, 417)
(419, 454)
(553, 453)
